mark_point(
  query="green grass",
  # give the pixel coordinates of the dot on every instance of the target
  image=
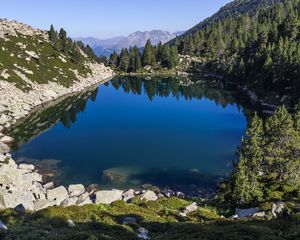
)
(161, 218)
(45, 69)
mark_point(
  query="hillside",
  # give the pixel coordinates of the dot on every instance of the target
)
(38, 66)
(233, 9)
(251, 46)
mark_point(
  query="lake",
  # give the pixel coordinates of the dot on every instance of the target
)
(131, 132)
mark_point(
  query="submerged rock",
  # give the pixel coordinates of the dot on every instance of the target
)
(108, 197)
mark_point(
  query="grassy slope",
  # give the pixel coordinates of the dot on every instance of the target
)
(161, 218)
(45, 69)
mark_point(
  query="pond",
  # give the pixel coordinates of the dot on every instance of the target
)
(131, 132)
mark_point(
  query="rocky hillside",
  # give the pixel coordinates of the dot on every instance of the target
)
(35, 70)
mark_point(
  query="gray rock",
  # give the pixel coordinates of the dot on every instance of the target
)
(58, 194)
(84, 199)
(70, 223)
(69, 202)
(143, 233)
(108, 197)
(149, 196)
(259, 215)
(2, 157)
(128, 195)
(43, 203)
(4, 148)
(241, 213)
(76, 190)
(29, 167)
(20, 208)
(2, 226)
(49, 185)
(7, 140)
(11, 199)
(191, 208)
(1, 129)
(277, 209)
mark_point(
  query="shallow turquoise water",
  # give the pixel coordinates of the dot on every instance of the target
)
(138, 132)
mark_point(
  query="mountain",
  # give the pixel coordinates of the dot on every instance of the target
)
(139, 39)
(233, 9)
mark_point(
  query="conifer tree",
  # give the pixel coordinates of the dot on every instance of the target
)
(124, 60)
(247, 185)
(149, 54)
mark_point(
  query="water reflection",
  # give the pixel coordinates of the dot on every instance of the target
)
(181, 133)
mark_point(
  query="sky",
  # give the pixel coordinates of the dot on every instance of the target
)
(110, 18)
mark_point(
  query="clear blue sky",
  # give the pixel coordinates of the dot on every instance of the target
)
(109, 18)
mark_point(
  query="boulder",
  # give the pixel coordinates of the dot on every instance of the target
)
(2, 226)
(69, 202)
(43, 203)
(128, 195)
(84, 199)
(108, 197)
(11, 199)
(241, 213)
(58, 194)
(4, 148)
(191, 208)
(2, 158)
(20, 208)
(28, 167)
(277, 209)
(149, 196)
(1, 129)
(76, 190)
(7, 140)
(70, 223)
(259, 215)
(49, 185)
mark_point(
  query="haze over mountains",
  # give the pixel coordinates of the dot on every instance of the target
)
(107, 46)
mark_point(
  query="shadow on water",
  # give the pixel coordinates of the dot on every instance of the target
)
(66, 111)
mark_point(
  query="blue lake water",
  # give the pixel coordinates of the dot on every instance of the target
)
(133, 131)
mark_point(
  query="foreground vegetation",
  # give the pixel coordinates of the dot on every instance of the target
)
(160, 218)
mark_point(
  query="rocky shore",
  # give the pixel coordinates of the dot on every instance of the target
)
(16, 104)
(22, 187)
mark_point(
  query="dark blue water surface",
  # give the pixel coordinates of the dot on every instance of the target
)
(133, 131)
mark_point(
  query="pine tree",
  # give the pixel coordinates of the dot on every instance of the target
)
(166, 57)
(113, 60)
(149, 55)
(134, 60)
(247, 186)
(282, 152)
(53, 34)
(124, 60)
